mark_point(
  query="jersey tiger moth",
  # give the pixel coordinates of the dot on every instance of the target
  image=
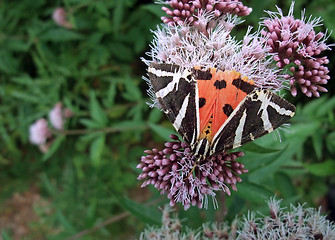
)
(213, 110)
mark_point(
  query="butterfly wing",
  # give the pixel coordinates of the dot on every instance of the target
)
(258, 114)
(176, 91)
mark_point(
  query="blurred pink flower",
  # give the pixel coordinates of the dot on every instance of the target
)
(59, 17)
(39, 132)
(57, 116)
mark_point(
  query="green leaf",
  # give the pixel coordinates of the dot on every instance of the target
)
(284, 184)
(122, 51)
(132, 92)
(101, 8)
(111, 93)
(161, 131)
(118, 15)
(97, 113)
(324, 169)
(327, 106)
(302, 130)
(25, 97)
(19, 45)
(8, 64)
(5, 236)
(64, 222)
(48, 185)
(130, 125)
(317, 143)
(155, 115)
(117, 111)
(60, 35)
(237, 204)
(96, 149)
(147, 214)
(90, 123)
(268, 164)
(330, 142)
(311, 107)
(253, 192)
(154, 9)
(54, 147)
(104, 25)
(256, 148)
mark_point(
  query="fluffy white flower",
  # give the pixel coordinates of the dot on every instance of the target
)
(56, 116)
(39, 132)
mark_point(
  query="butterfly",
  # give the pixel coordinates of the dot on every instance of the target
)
(213, 110)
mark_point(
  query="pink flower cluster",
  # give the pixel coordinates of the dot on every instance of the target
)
(174, 171)
(39, 132)
(184, 11)
(295, 44)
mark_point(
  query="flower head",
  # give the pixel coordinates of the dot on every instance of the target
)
(190, 12)
(294, 43)
(59, 17)
(294, 223)
(39, 132)
(57, 116)
(175, 171)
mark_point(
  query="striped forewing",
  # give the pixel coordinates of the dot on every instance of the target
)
(176, 91)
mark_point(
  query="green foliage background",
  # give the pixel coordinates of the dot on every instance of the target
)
(89, 174)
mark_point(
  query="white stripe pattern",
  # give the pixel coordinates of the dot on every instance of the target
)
(181, 114)
(239, 130)
(176, 76)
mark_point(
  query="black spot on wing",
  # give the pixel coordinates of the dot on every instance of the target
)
(227, 109)
(243, 85)
(202, 74)
(220, 84)
(202, 102)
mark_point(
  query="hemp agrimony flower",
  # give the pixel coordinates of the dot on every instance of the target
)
(295, 44)
(296, 222)
(191, 12)
(57, 115)
(174, 171)
(39, 133)
(59, 16)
